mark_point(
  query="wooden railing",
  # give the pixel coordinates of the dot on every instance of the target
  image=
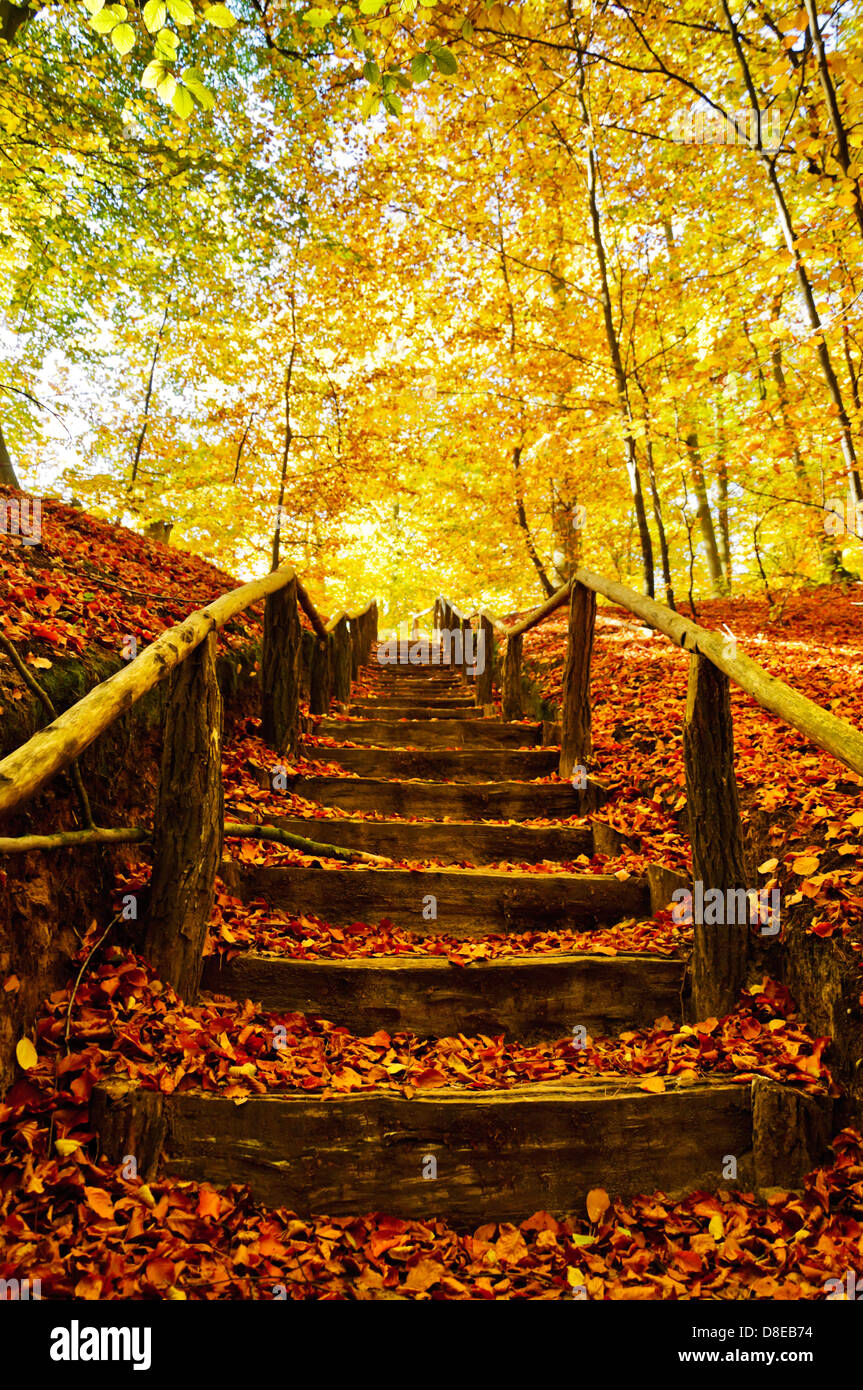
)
(189, 824)
(718, 859)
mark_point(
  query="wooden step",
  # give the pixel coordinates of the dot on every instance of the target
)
(422, 699)
(524, 997)
(466, 840)
(372, 709)
(442, 733)
(441, 764)
(469, 903)
(499, 1155)
(505, 801)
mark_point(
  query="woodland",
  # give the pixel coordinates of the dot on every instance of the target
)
(431, 570)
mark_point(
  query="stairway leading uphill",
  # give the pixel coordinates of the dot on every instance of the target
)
(416, 745)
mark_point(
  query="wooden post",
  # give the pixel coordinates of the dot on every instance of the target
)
(342, 655)
(575, 741)
(307, 648)
(465, 629)
(187, 833)
(485, 660)
(321, 681)
(356, 626)
(280, 670)
(718, 861)
(512, 705)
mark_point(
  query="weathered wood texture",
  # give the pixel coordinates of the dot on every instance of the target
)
(500, 1154)
(321, 680)
(485, 661)
(382, 709)
(718, 861)
(280, 670)
(468, 841)
(576, 743)
(440, 733)
(341, 660)
(527, 998)
(792, 1133)
(467, 903)
(483, 765)
(511, 700)
(505, 801)
(187, 835)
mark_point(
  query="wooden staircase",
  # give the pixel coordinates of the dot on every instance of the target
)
(424, 751)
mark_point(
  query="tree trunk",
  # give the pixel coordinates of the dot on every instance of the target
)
(521, 514)
(187, 829)
(718, 862)
(575, 743)
(705, 516)
(8, 476)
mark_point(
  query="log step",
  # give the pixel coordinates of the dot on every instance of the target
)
(499, 1155)
(504, 801)
(441, 733)
(373, 709)
(441, 764)
(424, 699)
(524, 997)
(468, 903)
(467, 840)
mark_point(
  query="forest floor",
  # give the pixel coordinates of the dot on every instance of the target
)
(86, 1230)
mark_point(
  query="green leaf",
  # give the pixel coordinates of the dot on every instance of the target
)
(181, 11)
(166, 46)
(105, 20)
(182, 103)
(166, 88)
(372, 73)
(221, 16)
(154, 15)
(123, 38)
(467, 30)
(445, 62)
(404, 81)
(371, 6)
(393, 104)
(318, 17)
(370, 102)
(195, 83)
(93, 6)
(152, 75)
(421, 66)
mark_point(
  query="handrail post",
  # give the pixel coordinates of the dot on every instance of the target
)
(512, 701)
(575, 740)
(341, 652)
(485, 661)
(280, 670)
(718, 859)
(320, 679)
(188, 823)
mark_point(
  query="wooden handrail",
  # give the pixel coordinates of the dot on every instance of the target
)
(25, 771)
(828, 732)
